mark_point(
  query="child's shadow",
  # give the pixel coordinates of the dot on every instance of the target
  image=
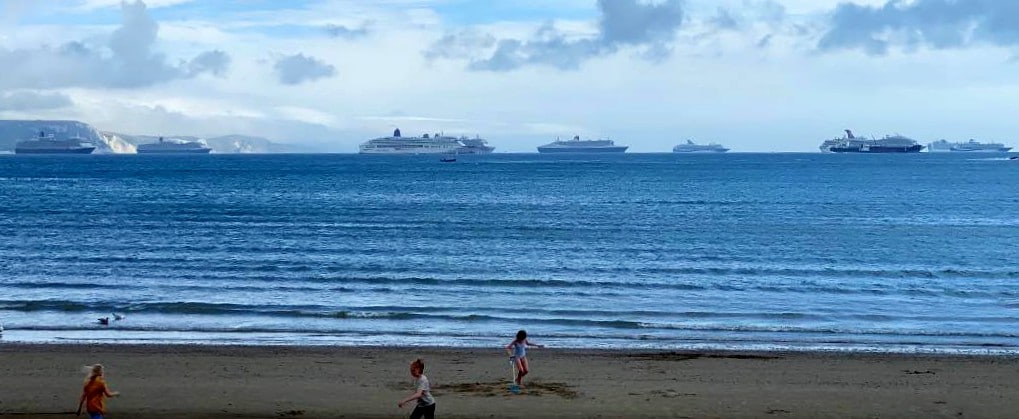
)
(493, 389)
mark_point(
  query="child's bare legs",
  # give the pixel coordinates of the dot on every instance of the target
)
(522, 370)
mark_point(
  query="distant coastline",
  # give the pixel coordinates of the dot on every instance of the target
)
(13, 131)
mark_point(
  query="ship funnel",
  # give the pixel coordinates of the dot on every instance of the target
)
(849, 134)
(396, 133)
(576, 138)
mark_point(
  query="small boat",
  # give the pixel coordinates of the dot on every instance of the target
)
(449, 157)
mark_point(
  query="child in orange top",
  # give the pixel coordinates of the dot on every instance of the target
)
(94, 394)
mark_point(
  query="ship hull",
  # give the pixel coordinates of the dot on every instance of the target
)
(878, 150)
(568, 150)
(982, 150)
(725, 150)
(83, 150)
(408, 152)
(197, 151)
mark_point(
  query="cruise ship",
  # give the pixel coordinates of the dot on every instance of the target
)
(475, 145)
(828, 144)
(888, 144)
(691, 147)
(576, 145)
(425, 144)
(971, 146)
(174, 147)
(50, 145)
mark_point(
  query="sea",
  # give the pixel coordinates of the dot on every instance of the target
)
(758, 252)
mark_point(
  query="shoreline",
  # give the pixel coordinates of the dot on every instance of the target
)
(933, 351)
(325, 347)
(163, 381)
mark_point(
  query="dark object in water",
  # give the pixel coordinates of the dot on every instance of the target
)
(105, 321)
(1014, 158)
(448, 159)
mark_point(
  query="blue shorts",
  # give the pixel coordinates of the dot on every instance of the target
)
(95, 415)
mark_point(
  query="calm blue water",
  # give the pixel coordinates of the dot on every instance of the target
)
(739, 251)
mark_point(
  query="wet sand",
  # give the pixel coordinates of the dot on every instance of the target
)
(44, 381)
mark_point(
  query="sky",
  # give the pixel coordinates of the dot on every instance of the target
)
(754, 75)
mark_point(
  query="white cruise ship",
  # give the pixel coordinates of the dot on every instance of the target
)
(475, 145)
(174, 147)
(425, 144)
(971, 146)
(691, 147)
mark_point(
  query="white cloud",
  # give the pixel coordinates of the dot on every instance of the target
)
(306, 115)
(32, 101)
(726, 86)
(91, 5)
(127, 59)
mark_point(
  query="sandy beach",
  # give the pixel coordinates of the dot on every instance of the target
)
(43, 381)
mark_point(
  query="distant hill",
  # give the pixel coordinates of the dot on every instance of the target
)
(12, 131)
(224, 144)
(247, 144)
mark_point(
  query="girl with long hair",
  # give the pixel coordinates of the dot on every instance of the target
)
(95, 392)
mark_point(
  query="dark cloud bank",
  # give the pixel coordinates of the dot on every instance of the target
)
(650, 28)
(299, 68)
(939, 24)
(346, 32)
(633, 23)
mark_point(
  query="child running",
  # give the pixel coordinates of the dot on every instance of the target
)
(94, 394)
(517, 351)
(426, 403)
